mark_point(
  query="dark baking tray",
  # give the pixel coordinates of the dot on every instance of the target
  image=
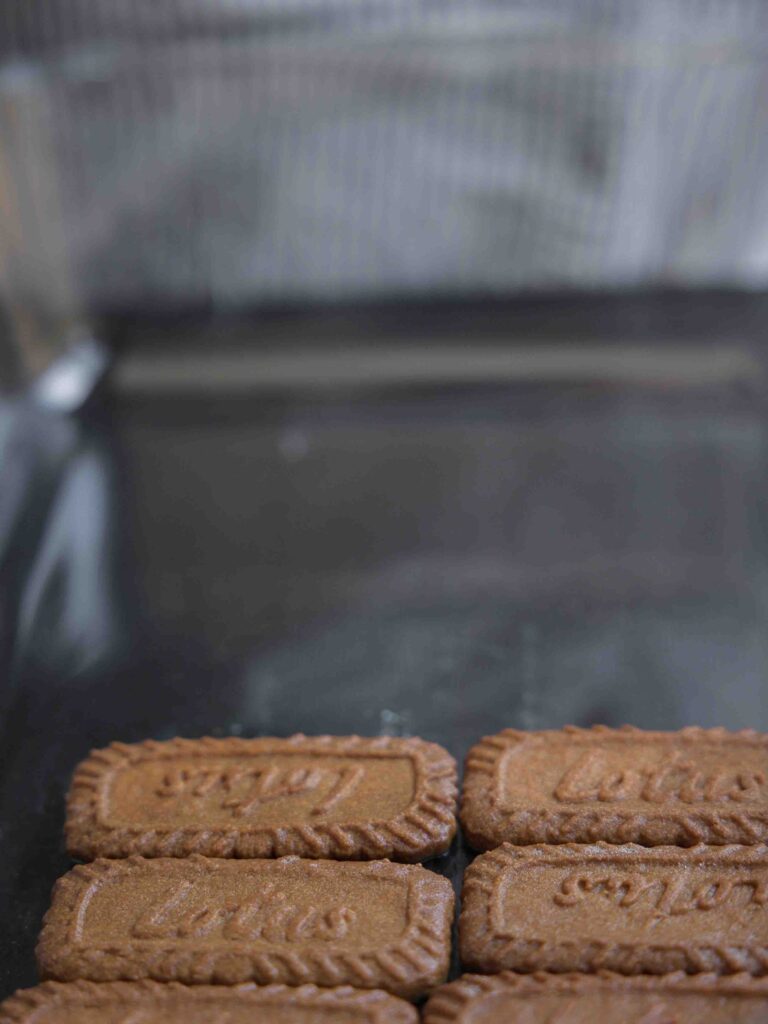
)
(436, 560)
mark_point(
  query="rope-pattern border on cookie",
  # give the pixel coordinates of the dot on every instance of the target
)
(447, 1004)
(376, 1007)
(412, 965)
(486, 827)
(425, 829)
(484, 950)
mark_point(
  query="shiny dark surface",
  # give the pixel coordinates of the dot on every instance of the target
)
(442, 562)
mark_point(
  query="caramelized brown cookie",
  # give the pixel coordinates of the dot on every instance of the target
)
(199, 920)
(617, 786)
(623, 908)
(148, 1002)
(607, 999)
(324, 796)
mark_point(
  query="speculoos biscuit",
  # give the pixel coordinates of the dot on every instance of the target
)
(629, 909)
(618, 786)
(149, 1002)
(316, 797)
(599, 999)
(290, 921)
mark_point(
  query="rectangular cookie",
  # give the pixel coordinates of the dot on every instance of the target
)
(607, 999)
(324, 796)
(622, 908)
(149, 1002)
(617, 786)
(201, 920)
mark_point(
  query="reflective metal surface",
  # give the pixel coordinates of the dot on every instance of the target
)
(438, 561)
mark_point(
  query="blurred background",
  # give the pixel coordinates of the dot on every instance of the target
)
(374, 367)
